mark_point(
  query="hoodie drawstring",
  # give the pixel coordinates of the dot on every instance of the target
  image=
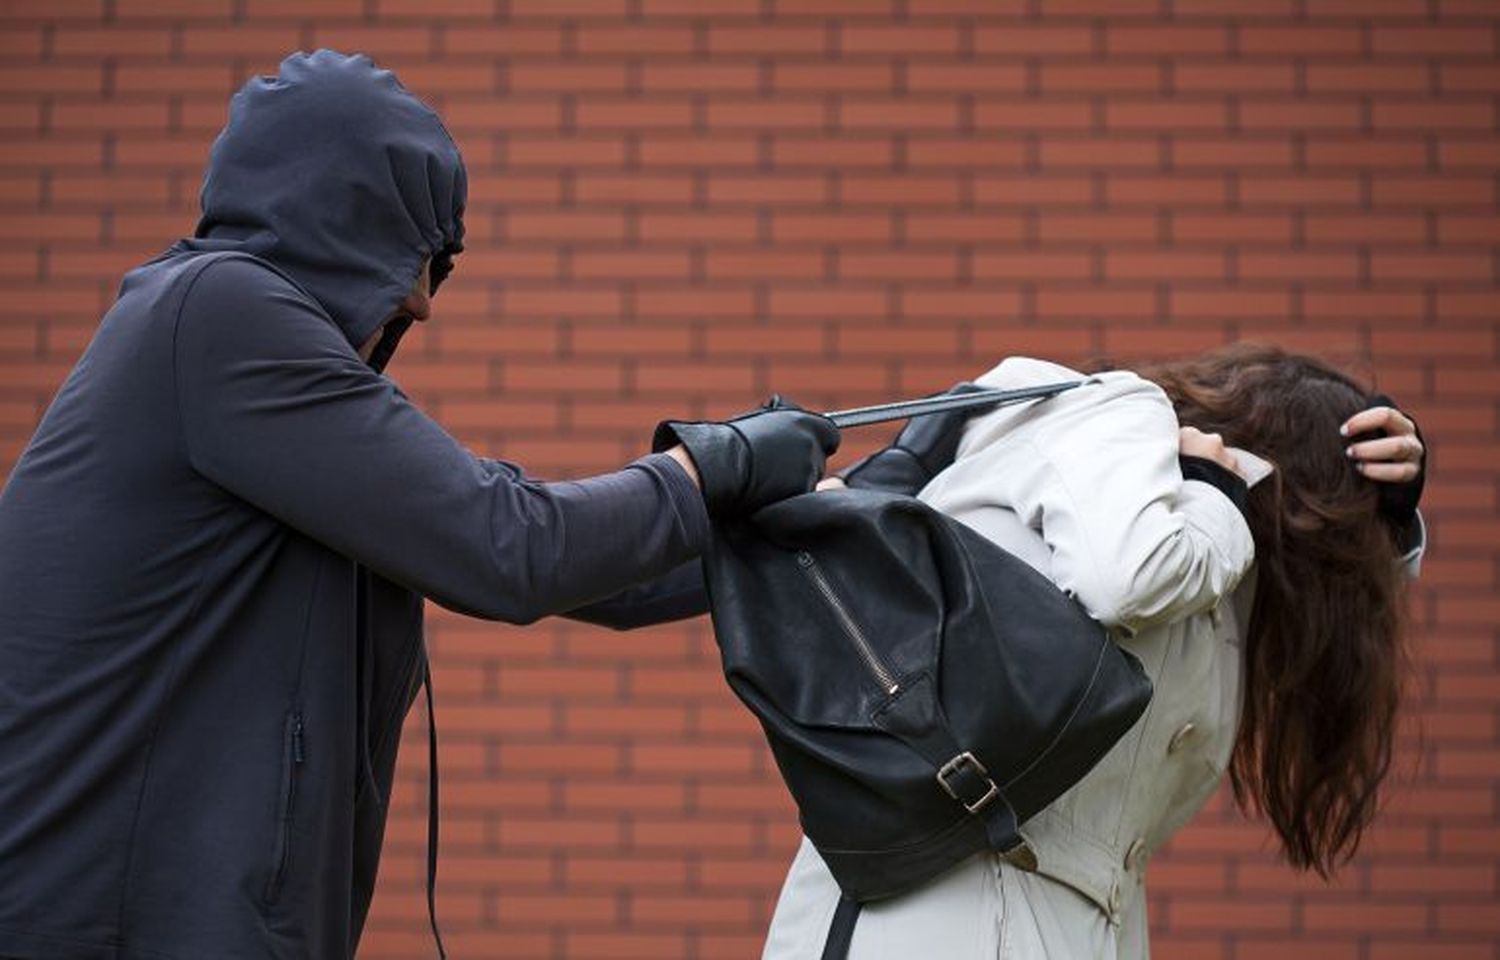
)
(432, 810)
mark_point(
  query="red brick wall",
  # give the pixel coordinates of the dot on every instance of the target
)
(679, 206)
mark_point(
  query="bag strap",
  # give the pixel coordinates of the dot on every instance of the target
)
(841, 929)
(916, 718)
(945, 402)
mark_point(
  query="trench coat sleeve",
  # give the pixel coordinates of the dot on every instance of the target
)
(278, 410)
(1097, 474)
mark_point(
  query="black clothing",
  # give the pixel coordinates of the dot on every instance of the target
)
(214, 551)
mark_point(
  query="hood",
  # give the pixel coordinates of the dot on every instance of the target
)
(336, 174)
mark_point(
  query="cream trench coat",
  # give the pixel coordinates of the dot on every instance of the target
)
(1086, 488)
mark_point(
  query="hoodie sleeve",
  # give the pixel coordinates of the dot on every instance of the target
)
(278, 410)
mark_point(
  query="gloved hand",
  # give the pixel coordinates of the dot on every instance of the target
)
(756, 458)
(924, 448)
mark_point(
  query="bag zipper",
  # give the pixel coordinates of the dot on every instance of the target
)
(877, 668)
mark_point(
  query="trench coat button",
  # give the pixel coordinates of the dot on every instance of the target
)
(1180, 737)
(1135, 854)
(1114, 903)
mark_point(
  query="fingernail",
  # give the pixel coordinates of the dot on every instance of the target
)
(1349, 452)
(1343, 430)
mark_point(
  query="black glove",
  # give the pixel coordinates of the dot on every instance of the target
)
(755, 458)
(924, 448)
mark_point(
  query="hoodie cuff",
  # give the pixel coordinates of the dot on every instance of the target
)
(687, 499)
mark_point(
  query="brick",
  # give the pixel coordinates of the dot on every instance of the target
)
(856, 39)
(1094, 77)
(964, 77)
(720, 151)
(1310, 191)
(1366, 154)
(634, 341)
(1298, 266)
(1313, 41)
(596, 188)
(1373, 917)
(1105, 303)
(1181, 190)
(1166, 115)
(1033, 190)
(703, 909)
(1166, 40)
(1165, 265)
(707, 379)
(131, 79)
(769, 114)
(633, 872)
(988, 227)
(1442, 114)
(1434, 267)
(758, 264)
(51, 79)
(1425, 39)
(696, 835)
(515, 39)
(840, 227)
(1240, 78)
(591, 40)
(700, 77)
(1010, 116)
(656, 113)
(1306, 114)
(207, 40)
(102, 115)
(1029, 40)
(913, 189)
(1361, 78)
(768, 189)
(924, 113)
(1102, 153)
(653, 226)
(1100, 228)
(1376, 229)
(623, 946)
(1053, 340)
(1188, 228)
(546, 77)
(1026, 265)
(828, 76)
(765, 41)
(582, 9)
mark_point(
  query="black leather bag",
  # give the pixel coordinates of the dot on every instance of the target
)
(924, 692)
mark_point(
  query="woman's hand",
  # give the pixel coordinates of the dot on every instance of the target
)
(1393, 458)
(831, 483)
(1192, 442)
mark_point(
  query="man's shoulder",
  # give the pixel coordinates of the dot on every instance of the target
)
(234, 273)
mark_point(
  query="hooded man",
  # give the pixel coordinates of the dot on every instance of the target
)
(214, 552)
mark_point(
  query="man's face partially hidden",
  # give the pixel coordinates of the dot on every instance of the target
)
(417, 305)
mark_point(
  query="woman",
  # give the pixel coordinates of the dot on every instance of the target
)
(1261, 587)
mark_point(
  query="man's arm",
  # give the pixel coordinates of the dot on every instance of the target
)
(676, 596)
(277, 409)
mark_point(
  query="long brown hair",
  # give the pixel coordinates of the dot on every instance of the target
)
(1325, 656)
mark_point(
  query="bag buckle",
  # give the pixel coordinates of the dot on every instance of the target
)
(955, 768)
